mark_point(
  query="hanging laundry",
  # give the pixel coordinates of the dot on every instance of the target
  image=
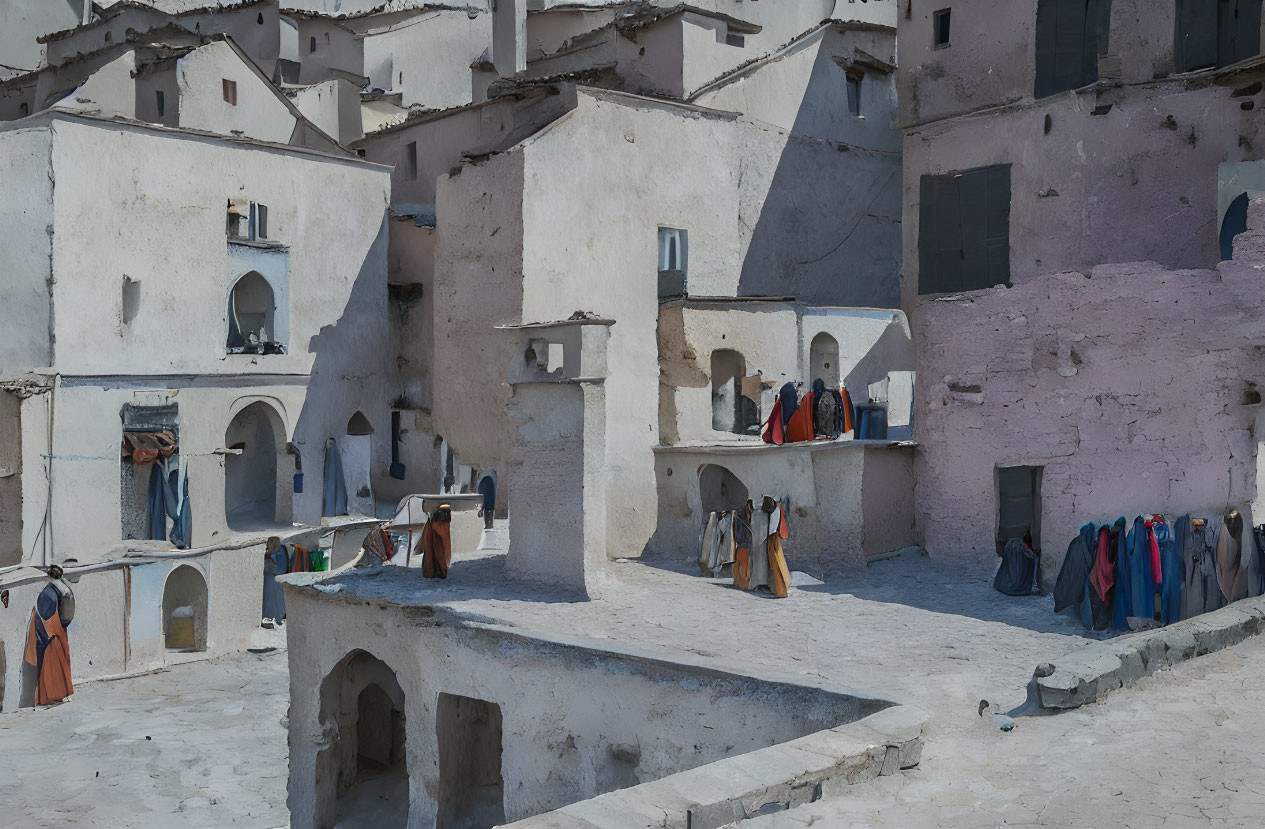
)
(1168, 568)
(47, 647)
(161, 503)
(799, 428)
(779, 573)
(1069, 588)
(334, 496)
(742, 546)
(437, 543)
(298, 561)
(1102, 578)
(146, 447)
(379, 543)
(788, 396)
(720, 551)
(848, 411)
(1122, 601)
(1017, 572)
(1232, 567)
(1200, 594)
(774, 431)
(274, 603)
(1141, 584)
(705, 543)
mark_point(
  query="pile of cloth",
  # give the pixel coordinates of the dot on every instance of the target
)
(820, 414)
(746, 545)
(1128, 577)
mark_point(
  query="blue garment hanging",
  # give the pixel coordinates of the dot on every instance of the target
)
(1172, 553)
(1122, 603)
(155, 506)
(334, 501)
(161, 504)
(790, 401)
(1141, 583)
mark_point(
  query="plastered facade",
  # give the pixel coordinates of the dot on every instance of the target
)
(1135, 387)
(93, 361)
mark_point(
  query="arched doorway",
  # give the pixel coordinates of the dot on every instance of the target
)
(362, 777)
(357, 460)
(256, 440)
(731, 410)
(251, 313)
(1234, 223)
(184, 610)
(823, 360)
(719, 489)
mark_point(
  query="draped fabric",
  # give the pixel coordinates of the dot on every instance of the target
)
(437, 544)
(48, 649)
(162, 503)
(1017, 572)
(334, 495)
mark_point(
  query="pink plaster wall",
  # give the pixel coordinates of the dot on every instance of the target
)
(1131, 384)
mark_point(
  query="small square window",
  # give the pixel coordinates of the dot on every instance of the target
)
(735, 40)
(854, 93)
(230, 92)
(940, 26)
(311, 44)
(410, 161)
(161, 101)
(673, 261)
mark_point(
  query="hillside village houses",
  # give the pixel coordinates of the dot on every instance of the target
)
(299, 289)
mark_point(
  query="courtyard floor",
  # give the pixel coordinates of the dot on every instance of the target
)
(203, 744)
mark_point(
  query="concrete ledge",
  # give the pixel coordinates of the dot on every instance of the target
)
(1089, 674)
(757, 783)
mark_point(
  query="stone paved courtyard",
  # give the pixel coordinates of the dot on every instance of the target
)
(1178, 749)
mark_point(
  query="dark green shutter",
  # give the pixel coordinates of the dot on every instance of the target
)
(1196, 42)
(964, 230)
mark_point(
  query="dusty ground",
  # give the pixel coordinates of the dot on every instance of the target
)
(1180, 749)
(199, 745)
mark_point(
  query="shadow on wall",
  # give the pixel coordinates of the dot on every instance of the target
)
(831, 210)
(892, 352)
(351, 373)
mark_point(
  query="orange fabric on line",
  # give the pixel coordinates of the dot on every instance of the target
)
(54, 681)
(742, 568)
(436, 549)
(779, 573)
(847, 410)
(800, 427)
(773, 432)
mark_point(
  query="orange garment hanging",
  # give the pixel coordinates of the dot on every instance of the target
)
(437, 543)
(52, 660)
(847, 411)
(779, 573)
(801, 427)
(743, 542)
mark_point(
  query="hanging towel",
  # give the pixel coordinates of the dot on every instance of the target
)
(334, 501)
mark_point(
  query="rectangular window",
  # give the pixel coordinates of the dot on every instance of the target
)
(1018, 504)
(1071, 34)
(258, 221)
(410, 161)
(940, 26)
(311, 45)
(673, 261)
(230, 92)
(735, 40)
(854, 93)
(1216, 33)
(964, 230)
(160, 99)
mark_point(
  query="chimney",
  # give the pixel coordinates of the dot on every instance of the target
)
(509, 36)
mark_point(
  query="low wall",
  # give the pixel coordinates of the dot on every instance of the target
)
(847, 499)
(576, 721)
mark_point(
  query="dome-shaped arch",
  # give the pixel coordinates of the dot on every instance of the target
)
(253, 494)
(184, 609)
(251, 312)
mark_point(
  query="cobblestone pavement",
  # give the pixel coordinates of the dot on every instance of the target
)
(198, 746)
(1182, 748)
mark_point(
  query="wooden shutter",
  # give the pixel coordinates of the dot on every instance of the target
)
(997, 224)
(1097, 38)
(1197, 32)
(1070, 35)
(1238, 30)
(939, 236)
(1046, 43)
